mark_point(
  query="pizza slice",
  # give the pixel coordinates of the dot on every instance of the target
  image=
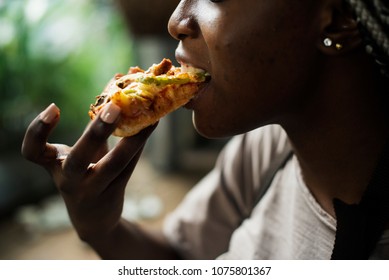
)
(146, 96)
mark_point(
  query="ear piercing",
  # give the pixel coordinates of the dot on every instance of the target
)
(329, 43)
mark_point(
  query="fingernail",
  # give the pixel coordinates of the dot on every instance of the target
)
(110, 113)
(49, 114)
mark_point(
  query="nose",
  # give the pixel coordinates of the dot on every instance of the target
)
(182, 23)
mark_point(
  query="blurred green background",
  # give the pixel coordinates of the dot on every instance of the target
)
(52, 51)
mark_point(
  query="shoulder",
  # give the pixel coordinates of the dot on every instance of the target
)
(250, 159)
(271, 138)
(258, 147)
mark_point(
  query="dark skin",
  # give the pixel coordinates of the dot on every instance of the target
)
(268, 65)
(94, 194)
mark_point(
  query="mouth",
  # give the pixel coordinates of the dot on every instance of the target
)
(186, 66)
(187, 62)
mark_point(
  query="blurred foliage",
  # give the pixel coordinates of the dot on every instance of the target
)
(56, 51)
(61, 51)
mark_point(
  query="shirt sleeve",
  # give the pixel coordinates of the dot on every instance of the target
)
(203, 223)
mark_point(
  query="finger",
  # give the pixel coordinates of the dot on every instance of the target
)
(125, 153)
(91, 142)
(35, 147)
(101, 152)
(119, 184)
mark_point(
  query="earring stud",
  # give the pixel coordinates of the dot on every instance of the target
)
(339, 47)
(327, 42)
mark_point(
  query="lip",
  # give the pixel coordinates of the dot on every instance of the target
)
(188, 61)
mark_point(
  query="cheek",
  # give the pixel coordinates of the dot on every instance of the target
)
(257, 77)
(243, 71)
(262, 66)
(235, 102)
(248, 55)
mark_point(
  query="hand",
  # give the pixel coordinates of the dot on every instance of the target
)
(90, 178)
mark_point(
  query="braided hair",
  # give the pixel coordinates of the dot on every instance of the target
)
(373, 20)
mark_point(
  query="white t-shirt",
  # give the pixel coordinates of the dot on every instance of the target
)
(221, 218)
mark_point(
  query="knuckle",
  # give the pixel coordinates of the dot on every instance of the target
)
(71, 168)
(65, 186)
(99, 131)
(65, 189)
(26, 153)
(33, 140)
(30, 153)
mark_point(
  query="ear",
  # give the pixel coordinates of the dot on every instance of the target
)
(339, 30)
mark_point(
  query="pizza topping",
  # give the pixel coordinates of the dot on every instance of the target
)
(146, 96)
(129, 90)
(128, 79)
(101, 99)
(161, 68)
(163, 80)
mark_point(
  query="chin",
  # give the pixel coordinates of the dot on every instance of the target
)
(215, 126)
(209, 133)
(212, 129)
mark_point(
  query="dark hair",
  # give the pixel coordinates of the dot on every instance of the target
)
(373, 20)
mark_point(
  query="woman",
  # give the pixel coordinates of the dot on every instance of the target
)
(295, 80)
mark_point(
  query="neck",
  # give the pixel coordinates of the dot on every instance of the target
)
(339, 134)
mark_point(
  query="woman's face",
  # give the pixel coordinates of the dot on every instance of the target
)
(261, 55)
